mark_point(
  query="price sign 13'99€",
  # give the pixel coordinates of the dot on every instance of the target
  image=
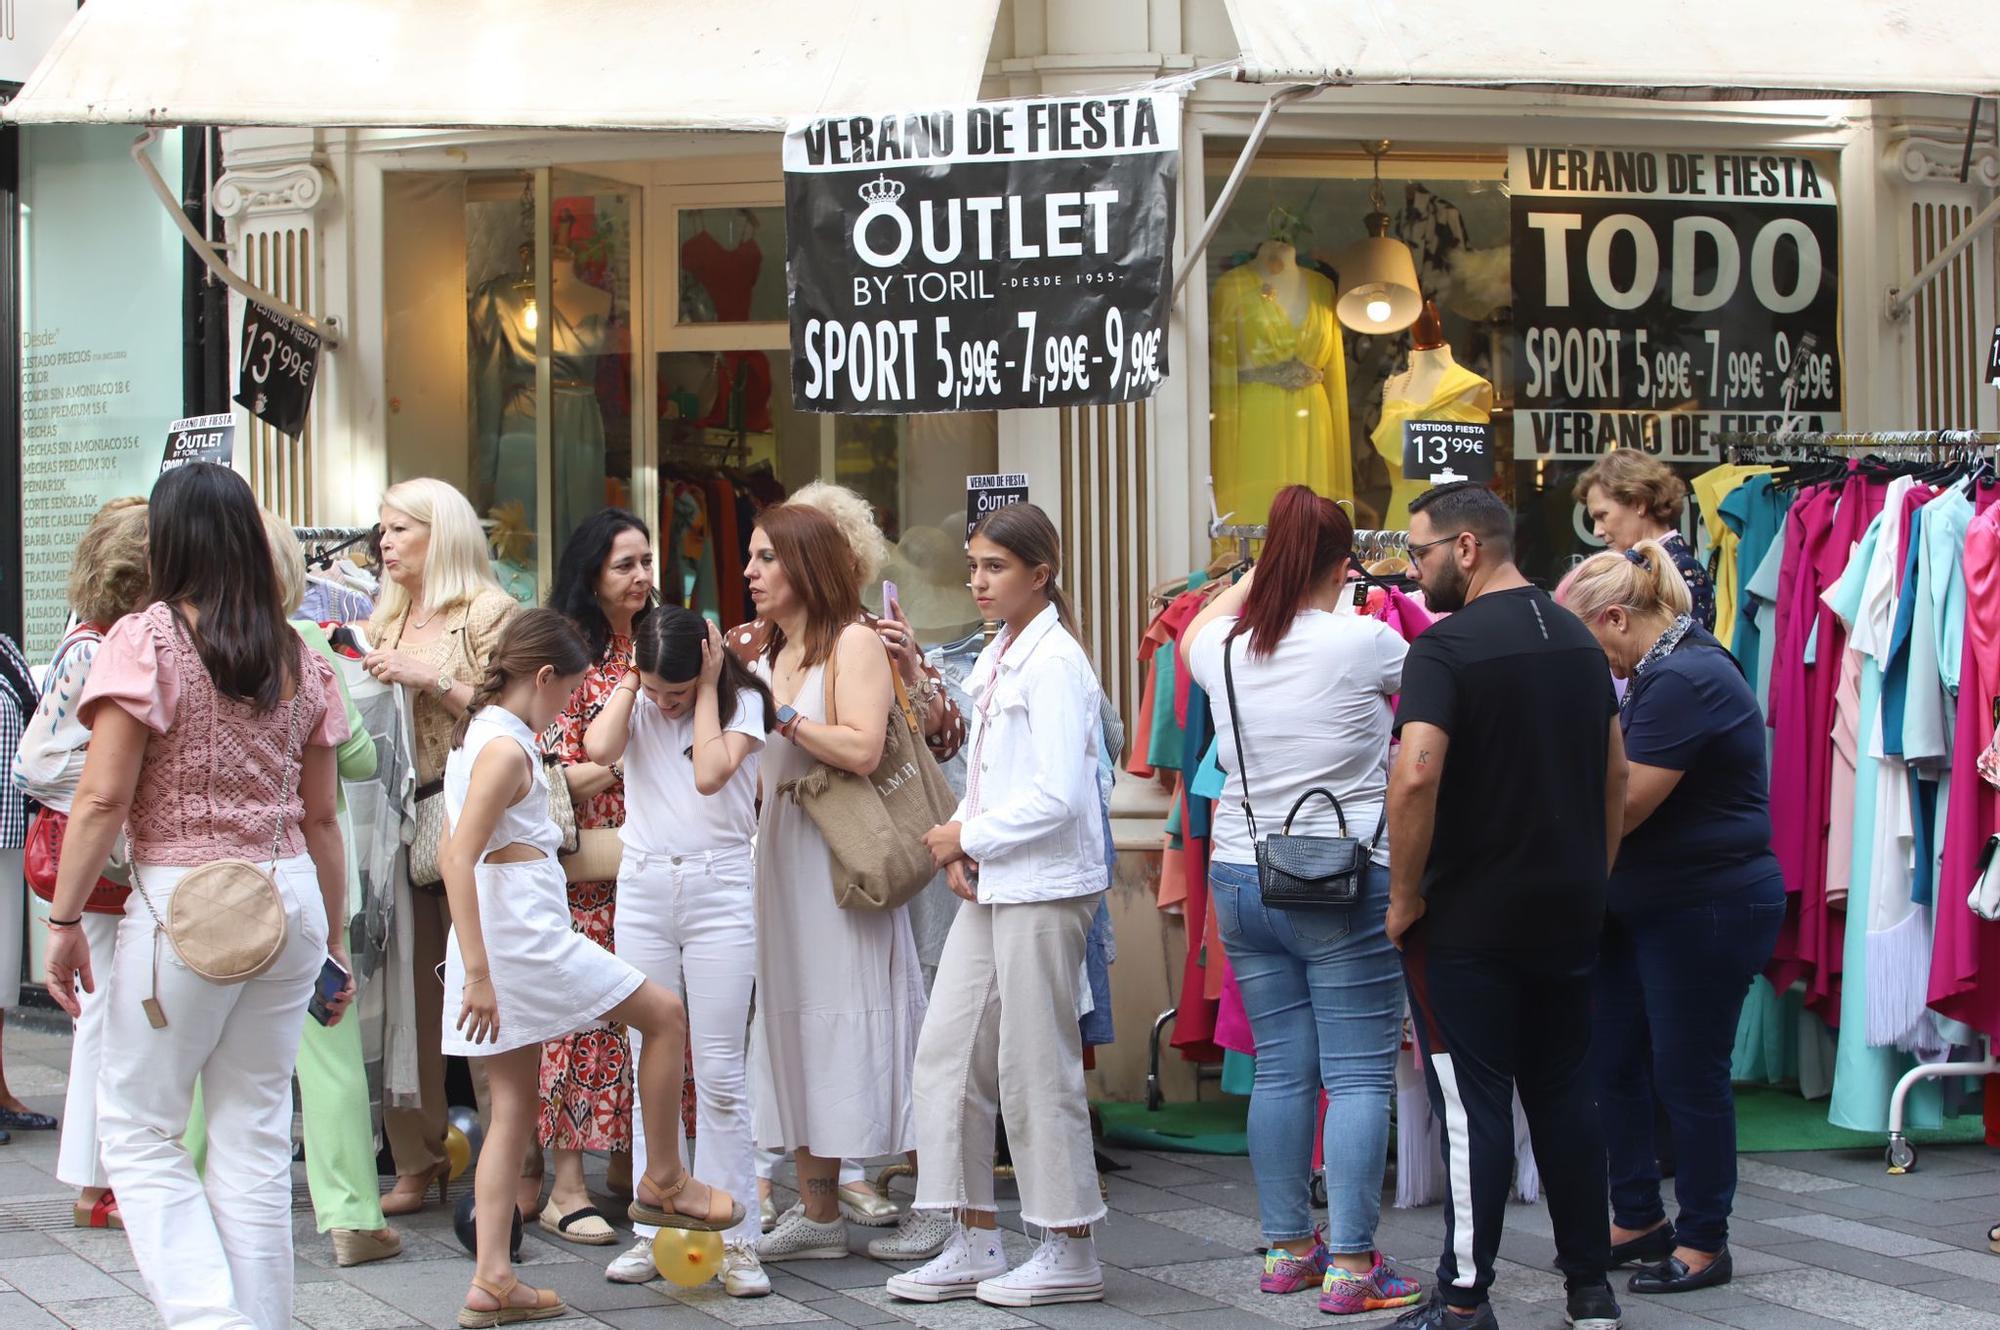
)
(277, 364)
(977, 257)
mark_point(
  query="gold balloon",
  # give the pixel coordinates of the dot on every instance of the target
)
(457, 1150)
(687, 1256)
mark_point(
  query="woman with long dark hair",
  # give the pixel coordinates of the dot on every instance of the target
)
(604, 585)
(687, 724)
(840, 993)
(212, 726)
(1025, 849)
(1301, 687)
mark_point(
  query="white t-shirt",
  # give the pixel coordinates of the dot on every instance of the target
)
(664, 812)
(1315, 713)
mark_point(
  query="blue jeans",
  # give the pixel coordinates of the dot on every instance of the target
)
(1324, 993)
(1669, 989)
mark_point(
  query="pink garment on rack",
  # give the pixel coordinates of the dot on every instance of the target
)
(1232, 1021)
(1846, 756)
(1965, 959)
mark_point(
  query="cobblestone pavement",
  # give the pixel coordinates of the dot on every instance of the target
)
(1821, 1240)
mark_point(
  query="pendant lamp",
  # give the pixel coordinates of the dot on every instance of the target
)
(1378, 276)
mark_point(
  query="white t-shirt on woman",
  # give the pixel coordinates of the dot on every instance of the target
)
(1315, 713)
(664, 812)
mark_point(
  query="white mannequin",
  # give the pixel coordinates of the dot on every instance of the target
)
(1278, 266)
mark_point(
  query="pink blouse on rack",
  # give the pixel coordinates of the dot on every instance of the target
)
(210, 784)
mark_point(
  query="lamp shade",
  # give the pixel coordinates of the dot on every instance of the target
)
(1378, 282)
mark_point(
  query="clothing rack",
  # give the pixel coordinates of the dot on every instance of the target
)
(1370, 543)
(1910, 438)
(331, 540)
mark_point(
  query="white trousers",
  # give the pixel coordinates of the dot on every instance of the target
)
(79, 1162)
(688, 921)
(13, 921)
(1002, 1037)
(215, 1255)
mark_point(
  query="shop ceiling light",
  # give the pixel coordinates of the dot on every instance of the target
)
(1378, 275)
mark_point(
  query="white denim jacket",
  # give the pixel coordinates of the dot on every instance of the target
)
(1034, 770)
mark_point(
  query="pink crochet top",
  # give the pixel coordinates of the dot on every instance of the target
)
(209, 785)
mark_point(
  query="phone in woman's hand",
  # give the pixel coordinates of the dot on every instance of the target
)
(890, 608)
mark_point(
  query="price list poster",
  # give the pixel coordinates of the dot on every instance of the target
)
(981, 257)
(1662, 298)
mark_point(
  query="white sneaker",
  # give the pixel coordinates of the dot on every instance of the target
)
(1063, 1269)
(635, 1266)
(920, 1235)
(742, 1274)
(969, 1256)
(797, 1238)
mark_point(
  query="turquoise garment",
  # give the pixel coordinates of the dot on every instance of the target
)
(1239, 1070)
(1865, 1076)
(1948, 517)
(1208, 777)
(1163, 746)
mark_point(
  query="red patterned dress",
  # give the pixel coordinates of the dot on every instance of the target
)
(587, 1076)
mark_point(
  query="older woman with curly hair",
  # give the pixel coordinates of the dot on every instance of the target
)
(921, 1234)
(107, 581)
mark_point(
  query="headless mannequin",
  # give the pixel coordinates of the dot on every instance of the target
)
(1277, 266)
(1430, 361)
(575, 299)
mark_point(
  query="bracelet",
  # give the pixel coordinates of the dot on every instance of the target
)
(65, 923)
(472, 979)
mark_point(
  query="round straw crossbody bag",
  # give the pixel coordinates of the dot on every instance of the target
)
(226, 919)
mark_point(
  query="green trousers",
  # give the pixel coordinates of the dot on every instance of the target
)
(340, 1134)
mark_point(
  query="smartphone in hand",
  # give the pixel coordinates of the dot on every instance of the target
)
(332, 979)
(890, 608)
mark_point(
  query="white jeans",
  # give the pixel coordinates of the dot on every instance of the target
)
(78, 1160)
(215, 1256)
(688, 922)
(1002, 1036)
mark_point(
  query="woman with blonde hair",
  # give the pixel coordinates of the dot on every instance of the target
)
(1630, 496)
(108, 580)
(435, 627)
(1692, 914)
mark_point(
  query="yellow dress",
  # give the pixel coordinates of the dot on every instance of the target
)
(1456, 397)
(1277, 396)
(1710, 489)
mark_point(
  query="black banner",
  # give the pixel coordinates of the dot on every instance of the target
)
(1993, 361)
(276, 367)
(983, 494)
(1662, 298)
(1002, 254)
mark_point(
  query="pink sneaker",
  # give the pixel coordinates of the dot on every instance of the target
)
(1286, 1273)
(1345, 1293)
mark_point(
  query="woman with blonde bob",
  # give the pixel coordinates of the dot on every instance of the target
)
(1691, 917)
(435, 628)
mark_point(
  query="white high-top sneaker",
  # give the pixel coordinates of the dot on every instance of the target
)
(1063, 1269)
(742, 1273)
(971, 1255)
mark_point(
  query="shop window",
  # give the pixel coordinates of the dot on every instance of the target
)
(1296, 397)
(492, 279)
(732, 265)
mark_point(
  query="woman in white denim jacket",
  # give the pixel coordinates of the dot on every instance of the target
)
(1026, 850)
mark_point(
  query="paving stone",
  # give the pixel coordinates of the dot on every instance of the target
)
(852, 1311)
(1223, 1227)
(28, 1244)
(1133, 1242)
(1226, 1318)
(338, 1306)
(711, 1301)
(104, 1248)
(1761, 1315)
(1083, 1316)
(18, 1313)
(1785, 1178)
(1852, 1233)
(853, 1272)
(669, 1318)
(965, 1314)
(1150, 1298)
(1975, 1265)
(62, 1278)
(1859, 1302)
(1236, 1197)
(1825, 1255)
(1136, 1198)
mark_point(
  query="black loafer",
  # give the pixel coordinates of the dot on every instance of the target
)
(1646, 1249)
(1673, 1276)
(14, 1119)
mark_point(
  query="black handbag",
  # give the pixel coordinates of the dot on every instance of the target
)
(1299, 872)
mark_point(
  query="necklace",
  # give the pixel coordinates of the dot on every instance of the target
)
(425, 622)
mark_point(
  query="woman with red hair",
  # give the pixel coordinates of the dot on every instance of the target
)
(1300, 687)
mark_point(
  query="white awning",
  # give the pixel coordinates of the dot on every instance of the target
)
(505, 64)
(1669, 48)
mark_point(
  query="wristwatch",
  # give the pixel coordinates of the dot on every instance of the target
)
(788, 720)
(445, 684)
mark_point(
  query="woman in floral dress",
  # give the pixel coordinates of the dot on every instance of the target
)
(604, 582)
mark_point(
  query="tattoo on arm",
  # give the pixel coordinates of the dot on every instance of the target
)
(1423, 757)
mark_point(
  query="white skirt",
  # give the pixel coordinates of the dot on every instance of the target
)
(548, 979)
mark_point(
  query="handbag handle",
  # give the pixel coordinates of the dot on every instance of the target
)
(1339, 814)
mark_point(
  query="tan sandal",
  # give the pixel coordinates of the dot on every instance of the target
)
(546, 1306)
(644, 1212)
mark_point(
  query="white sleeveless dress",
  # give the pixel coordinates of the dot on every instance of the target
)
(547, 979)
(840, 993)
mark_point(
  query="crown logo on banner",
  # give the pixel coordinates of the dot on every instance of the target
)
(881, 192)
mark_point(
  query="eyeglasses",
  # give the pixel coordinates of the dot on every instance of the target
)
(1417, 550)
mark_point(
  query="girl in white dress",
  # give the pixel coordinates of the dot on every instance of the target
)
(518, 976)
